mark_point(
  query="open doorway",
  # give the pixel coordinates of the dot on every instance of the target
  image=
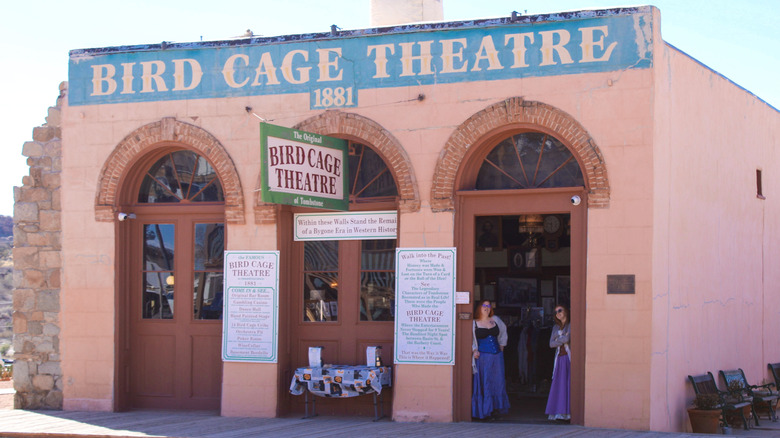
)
(522, 264)
(523, 268)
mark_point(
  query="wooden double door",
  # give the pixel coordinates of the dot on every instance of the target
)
(172, 356)
(342, 299)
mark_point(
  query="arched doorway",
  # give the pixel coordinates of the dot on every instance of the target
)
(170, 301)
(342, 291)
(521, 244)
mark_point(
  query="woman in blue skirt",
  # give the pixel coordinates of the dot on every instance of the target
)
(488, 340)
(558, 405)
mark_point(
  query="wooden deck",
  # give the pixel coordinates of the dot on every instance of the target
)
(19, 423)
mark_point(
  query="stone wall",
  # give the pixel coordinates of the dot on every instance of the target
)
(37, 265)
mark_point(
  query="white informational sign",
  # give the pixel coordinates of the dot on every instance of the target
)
(250, 322)
(356, 225)
(425, 306)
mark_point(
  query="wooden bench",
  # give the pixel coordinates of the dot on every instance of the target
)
(705, 384)
(761, 396)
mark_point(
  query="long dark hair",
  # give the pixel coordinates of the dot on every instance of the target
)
(557, 320)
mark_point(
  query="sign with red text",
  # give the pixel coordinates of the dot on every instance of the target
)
(425, 306)
(303, 169)
(250, 322)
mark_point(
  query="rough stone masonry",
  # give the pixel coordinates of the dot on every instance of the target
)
(37, 268)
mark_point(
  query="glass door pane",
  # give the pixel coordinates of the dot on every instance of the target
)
(209, 246)
(320, 280)
(377, 280)
(158, 273)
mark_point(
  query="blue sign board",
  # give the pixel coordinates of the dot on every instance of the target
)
(333, 69)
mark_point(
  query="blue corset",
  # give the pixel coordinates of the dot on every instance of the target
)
(488, 345)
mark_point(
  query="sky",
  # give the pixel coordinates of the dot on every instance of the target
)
(739, 39)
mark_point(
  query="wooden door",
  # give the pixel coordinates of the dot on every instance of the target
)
(515, 202)
(342, 299)
(174, 310)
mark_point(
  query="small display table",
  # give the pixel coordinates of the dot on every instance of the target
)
(336, 381)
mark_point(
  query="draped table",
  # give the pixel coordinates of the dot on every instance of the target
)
(340, 381)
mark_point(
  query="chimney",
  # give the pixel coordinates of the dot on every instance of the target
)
(394, 12)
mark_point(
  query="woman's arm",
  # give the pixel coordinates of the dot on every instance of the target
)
(502, 334)
(559, 336)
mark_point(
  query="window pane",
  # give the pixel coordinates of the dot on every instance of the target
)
(211, 193)
(529, 160)
(158, 295)
(377, 280)
(369, 176)
(152, 191)
(321, 255)
(377, 296)
(181, 175)
(320, 296)
(378, 255)
(320, 280)
(158, 247)
(209, 246)
(163, 183)
(207, 295)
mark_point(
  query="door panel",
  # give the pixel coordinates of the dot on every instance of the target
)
(206, 367)
(155, 366)
(174, 329)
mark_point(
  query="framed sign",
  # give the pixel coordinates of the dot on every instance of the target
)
(352, 225)
(250, 323)
(303, 169)
(425, 306)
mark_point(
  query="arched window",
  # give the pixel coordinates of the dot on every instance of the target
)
(181, 177)
(369, 178)
(529, 160)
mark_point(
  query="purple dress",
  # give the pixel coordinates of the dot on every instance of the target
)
(558, 404)
(489, 389)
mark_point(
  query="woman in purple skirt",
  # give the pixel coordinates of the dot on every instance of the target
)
(558, 407)
(488, 340)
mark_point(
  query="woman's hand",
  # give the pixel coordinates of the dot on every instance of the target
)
(501, 347)
(476, 354)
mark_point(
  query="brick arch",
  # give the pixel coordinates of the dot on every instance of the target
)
(367, 131)
(522, 114)
(148, 138)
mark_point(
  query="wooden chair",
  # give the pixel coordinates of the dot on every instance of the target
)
(705, 384)
(761, 396)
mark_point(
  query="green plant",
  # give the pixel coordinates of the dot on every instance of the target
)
(706, 402)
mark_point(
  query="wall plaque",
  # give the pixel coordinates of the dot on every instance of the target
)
(621, 284)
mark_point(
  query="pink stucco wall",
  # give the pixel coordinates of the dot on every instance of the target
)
(603, 103)
(681, 145)
(715, 289)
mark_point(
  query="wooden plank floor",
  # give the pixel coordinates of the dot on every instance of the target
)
(19, 423)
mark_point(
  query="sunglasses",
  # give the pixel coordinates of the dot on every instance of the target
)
(487, 306)
(558, 310)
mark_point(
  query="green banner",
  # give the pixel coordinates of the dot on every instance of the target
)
(303, 169)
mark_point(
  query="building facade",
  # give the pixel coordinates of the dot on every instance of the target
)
(572, 159)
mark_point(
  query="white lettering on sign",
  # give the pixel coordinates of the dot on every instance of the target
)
(275, 68)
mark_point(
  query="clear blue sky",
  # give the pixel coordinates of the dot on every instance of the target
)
(739, 39)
